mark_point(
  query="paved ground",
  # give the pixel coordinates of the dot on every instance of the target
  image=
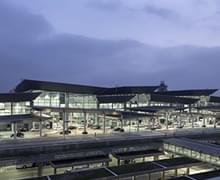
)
(4, 135)
(11, 143)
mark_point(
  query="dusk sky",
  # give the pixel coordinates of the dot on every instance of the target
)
(111, 42)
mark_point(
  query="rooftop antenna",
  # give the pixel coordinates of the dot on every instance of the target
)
(163, 87)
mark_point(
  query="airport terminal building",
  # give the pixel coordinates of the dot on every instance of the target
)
(53, 108)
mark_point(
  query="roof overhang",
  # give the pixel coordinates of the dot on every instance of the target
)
(18, 97)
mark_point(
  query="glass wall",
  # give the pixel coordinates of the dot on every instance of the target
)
(8, 108)
(82, 101)
(60, 99)
(5, 109)
(112, 106)
(51, 99)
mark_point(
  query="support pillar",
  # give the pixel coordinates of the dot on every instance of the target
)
(107, 163)
(203, 122)
(191, 116)
(215, 122)
(187, 171)
(176, 172)
(64, 125)
(40, 124)
(66, 113)
(40, 170)
(163, 175)
(129, 125)
(156, 158)
(138, 125)
(192, 121)
(55, 171)
(167, 127)
(85, 124)
(149, 176)
(119, 162)
(153, 123)
(121, 121)
(104, 124)
(98, 122)
(66, 120)
(14, 125)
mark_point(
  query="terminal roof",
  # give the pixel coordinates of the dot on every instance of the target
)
(172, 99)
(192, 92)
(18, 97)
(27, 85)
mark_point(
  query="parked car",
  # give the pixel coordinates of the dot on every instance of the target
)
(119, 129)
(68, 171)
(180, 126)
(158, 126)
(122, 130)
(72, 127)
(35, 130)
(84, 132)
(19, 134)
(66, 132)
(97, 127)
(153, 128)
(23, 129)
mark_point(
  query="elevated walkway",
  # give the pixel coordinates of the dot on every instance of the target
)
(131, 170)
(104, 159)
(137, 154)
(202, 151)
(212, 175)
(130, 156)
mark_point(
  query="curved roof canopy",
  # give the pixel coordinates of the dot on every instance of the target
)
(27, 85)
(172, 99)
(192, 92)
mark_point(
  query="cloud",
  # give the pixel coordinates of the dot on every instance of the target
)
(21, 24)
(30, 48)
(105, 5)
(160, 12)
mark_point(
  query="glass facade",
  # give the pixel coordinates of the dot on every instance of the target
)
(15, 108)
(60, 99)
